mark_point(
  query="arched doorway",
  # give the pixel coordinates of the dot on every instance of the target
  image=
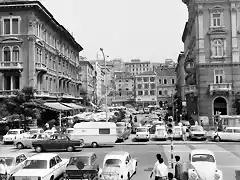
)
(220, 104)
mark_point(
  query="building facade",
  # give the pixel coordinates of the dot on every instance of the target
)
(211, 47)
(124, 92)
(165, 81)
(88, 79)
(37, 51)
(146, 89)
(137, 67)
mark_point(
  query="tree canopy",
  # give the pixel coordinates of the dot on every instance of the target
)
(236, 103)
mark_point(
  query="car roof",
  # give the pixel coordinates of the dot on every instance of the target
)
(13, 154)
(42, 156)
(84, 154)
(202, 151)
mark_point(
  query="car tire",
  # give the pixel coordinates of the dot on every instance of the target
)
(38, 149)
(20, 146)
(217, 138)
(70, 149)
(94, 144)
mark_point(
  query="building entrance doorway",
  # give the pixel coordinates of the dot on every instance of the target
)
(220, 105)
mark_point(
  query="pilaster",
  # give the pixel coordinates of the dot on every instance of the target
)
(32, 75)
(201, 50)
(235, 51)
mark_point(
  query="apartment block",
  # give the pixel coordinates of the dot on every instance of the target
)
(137, 67)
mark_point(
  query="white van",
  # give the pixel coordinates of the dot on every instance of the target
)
(95, 133)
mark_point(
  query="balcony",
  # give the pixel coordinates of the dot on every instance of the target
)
(191, 89)
(41, 68)
(5, 93)
(67, 76)
(41, 93)
(10, 65)
(220, 88)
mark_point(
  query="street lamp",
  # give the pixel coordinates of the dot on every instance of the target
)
(105, 68)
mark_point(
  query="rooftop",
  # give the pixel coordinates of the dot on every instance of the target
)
(147, 73)
(123, 75)
(165, 71)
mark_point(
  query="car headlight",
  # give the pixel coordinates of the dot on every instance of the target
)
(216, 176)
(193, 175)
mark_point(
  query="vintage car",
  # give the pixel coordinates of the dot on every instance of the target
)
(123, 131)
(13, 134)
(160, 133)
(82, 166)
(142, 133)
(26, 142)
(45, 166)
(228, 134)
(14, 161)
(118, 165)
(177, 132)
(201, 166)
(57, 142)
(31, 132)
(197, 132)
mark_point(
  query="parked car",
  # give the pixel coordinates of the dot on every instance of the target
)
(15, 161)
(57, 142)
(202, 165)
(82, 166)
(160, 133)
(118, 165)
(45, 166)
(230, 134)
(177, 132)
(142, 133)
(13, 134)
(31, 132)
(123, 131)
(26, 142)
(197, 132)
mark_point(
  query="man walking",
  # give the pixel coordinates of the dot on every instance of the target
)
(184, 132)
(178, 168)
(160, 169)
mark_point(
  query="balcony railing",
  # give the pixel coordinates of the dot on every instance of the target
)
(220, 88)
(42, 93)
(8, 92)
(10, 65)
(41, 67)
(191, 89)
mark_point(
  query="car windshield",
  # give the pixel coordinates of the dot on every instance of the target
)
(197, 128)
(202, 157)
(33, 131)
(142, 129)
(75, 160)
(113, 162)
(35, 164)
(9, 160)
(12, 132)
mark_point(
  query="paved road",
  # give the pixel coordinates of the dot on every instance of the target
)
(227, 155)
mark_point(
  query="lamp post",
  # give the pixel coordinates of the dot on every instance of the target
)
(105, 68)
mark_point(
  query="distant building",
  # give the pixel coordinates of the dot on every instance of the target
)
(146, 89)
(124, 92)
(137, 67)
(166, 84)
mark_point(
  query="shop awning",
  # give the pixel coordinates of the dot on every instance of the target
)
(56, 107)
(73, 106)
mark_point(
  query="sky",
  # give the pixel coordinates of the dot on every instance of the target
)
(149, 30)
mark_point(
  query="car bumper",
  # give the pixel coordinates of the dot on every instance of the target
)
(142, 137)
(198, 137)
(8, 140)
(160, 137)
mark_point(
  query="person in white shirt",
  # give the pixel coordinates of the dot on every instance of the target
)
(3, 169)
(160, 170)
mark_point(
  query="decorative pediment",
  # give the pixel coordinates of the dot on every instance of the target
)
(39, 42)
(216, 9)
(12, 40)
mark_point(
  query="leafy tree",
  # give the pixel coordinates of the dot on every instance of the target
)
(236, 103)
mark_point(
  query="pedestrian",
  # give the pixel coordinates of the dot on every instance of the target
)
(135, 119)
(202, 123)
(160, 169)
(3, 169)
(178, 168)
(184, 132)
(170, 176)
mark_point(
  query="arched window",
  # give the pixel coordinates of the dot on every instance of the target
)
(15, 53)
(217, 48)
(7, 54)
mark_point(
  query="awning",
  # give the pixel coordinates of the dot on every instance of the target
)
(73, 106)
(57, 106)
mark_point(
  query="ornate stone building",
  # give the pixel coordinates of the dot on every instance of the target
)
(211, 48)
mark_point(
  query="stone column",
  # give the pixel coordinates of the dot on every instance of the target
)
(11, 82)
(235, 51)
(201, 50)
(32, 79)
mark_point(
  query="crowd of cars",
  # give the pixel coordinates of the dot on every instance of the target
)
(116, 165)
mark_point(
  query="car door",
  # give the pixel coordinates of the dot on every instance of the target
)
(53, 167)
(52, 144)
(227, 134)
(17, 164)
(59, 165)
(236, 134)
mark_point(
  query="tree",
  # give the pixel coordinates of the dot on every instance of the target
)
(236, 103)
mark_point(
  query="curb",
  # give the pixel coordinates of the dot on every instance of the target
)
(165, 143)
